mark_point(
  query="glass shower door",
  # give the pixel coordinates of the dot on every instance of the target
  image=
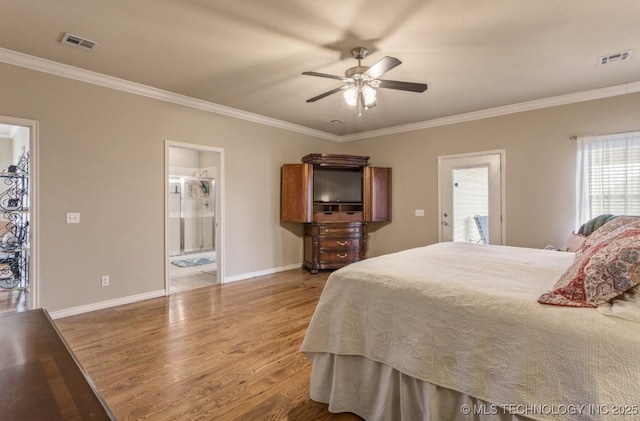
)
(197, 215)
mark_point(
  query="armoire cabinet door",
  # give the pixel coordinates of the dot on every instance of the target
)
(377, 194)
(296, 193)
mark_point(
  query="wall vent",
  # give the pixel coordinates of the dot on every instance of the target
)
(625, 55)
(76, 41)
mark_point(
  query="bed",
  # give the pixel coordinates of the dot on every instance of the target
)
(454, 331)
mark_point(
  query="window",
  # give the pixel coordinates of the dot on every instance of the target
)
(471, 204)
(608, 175)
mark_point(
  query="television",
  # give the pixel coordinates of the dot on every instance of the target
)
(337, 185)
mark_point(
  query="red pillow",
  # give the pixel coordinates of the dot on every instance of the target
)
(601, 272)
(606, 229)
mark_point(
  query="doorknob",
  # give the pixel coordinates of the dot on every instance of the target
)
(445, 223)
(445, 214)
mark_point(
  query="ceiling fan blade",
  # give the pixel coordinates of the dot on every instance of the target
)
(402, 86)
(325, 75)
(383, 66)
(331, 92)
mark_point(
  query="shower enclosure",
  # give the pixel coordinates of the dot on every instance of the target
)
(191, 215)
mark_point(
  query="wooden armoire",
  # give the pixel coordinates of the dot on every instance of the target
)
(335, 196)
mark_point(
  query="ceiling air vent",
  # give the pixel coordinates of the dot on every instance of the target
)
(625, 55)
(76, 41)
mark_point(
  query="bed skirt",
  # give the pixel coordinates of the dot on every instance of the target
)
(377, 392)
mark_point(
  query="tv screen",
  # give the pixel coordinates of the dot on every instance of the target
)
(337, 185)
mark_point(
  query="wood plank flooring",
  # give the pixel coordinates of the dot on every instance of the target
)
(226, 352)
(12, 300)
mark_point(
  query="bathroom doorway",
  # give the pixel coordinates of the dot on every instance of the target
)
(194, 215)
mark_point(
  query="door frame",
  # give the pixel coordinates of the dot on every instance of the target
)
(34, 204)
(219, 208)
(503, 190)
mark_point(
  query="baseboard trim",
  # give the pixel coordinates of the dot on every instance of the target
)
(240, 277)
(155, 294)
(106, 304)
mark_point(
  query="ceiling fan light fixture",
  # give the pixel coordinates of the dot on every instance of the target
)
(352, 94)
(369, 95)
(361, 82)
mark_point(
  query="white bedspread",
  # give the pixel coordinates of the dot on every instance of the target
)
(465, 317)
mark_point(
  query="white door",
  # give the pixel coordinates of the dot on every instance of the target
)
(471, 201)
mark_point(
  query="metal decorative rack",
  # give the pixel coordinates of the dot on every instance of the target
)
(14, 226)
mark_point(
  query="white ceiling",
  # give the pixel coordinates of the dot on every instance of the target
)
(249, 54)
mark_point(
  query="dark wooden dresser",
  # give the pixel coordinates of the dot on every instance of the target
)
(335, 196)
(40, 378)
(333, 245)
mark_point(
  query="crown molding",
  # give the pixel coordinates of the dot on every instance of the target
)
(48, 66)
(610, 91)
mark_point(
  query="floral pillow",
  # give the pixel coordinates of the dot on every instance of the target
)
(605, 230)
(601, 272)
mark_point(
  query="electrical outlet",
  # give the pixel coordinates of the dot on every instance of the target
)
(105, 281)
(419, 212)
(73, 218)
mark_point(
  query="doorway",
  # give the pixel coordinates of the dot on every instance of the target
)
(471, 198)
(18, 255)
(193, 209)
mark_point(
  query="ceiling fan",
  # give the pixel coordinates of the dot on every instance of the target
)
(361, 82)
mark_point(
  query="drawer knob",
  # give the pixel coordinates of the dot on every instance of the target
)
(341, 243)
(342, 256)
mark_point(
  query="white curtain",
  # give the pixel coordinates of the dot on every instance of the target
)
(608, 175)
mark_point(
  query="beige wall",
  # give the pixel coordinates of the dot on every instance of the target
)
(540, 167)
(101, 153)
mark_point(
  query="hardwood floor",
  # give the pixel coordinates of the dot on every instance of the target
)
(12, 300)
(226, 352)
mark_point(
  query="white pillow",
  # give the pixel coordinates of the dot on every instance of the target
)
(574, 242)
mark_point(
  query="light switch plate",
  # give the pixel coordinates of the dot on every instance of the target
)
(73, 218)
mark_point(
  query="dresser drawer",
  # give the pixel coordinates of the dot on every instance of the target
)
(339, 229)
(339, 256)
(335, 229)
(332, 245)
(339, 244)
(351, 216)
(355, 216)
(326, 216)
